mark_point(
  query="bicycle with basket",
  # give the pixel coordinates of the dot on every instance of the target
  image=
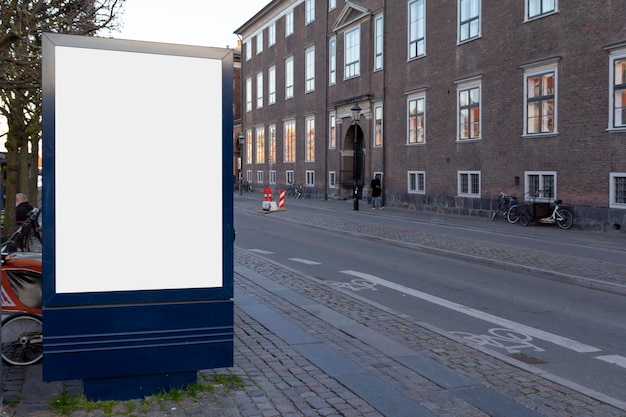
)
(546, 212)
(22, 326)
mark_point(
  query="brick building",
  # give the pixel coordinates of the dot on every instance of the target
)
(459, 100)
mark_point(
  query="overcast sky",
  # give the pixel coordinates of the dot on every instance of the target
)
(189, 22)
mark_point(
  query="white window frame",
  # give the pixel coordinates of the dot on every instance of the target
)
(617, 95)
(540, 193)
(271, 34)
(271, 132)
(352, 53)
(310, 178)
(289, 23)
(416, 43)
(309, 69)
(377, 120)
(332, 179)
(249, 176)
(248, 94)
(309, 11)
(289, 176)
(249, 148)
(543, 7)
(419, 98)
(536, 71)
(470, 192)
(469, 85)
(260, 176)
(289, 154)
(259, 90)
(419, 178)
(259, 42)
(271, 87)
(613, 192)
(470, 19)
(332, 131)
(259, 144)
(272, 175)
(289, 87)
(378, 42)
(248, 47)
(332, 61)
(332, 5)
(309, 140)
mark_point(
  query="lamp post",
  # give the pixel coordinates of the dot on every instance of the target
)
(356, 114)
(241, 138)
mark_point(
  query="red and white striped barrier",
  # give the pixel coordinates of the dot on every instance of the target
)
(268, 200)
(281, 200)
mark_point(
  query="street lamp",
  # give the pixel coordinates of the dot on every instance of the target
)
(241, 138)
(356, 114)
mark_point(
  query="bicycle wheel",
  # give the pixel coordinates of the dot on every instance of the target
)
(565, 220)
(513, 214)
(22, 339)
(524, 218)
(33, 242)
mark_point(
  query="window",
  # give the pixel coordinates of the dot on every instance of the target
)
(260, 177)
(332, 61)
(540, 186)
(309, 64)
(271, 34)
(259, 43)
(617, 193)
(540, 94)
(353, 50)
(248, 94)
(271, 88)
(249, 149)
(310, 179)
(378, 125)
(289, 176)
(332, 131)
(290, 141)
(469, 183)
(378, 43)
(417, 119)
(259, 90)
(289, 23)
(260, 145)
(540, 8)
(332, 4)
(468, 103)
(309, 11)
(469, 19)
(309, 155)
(289, 77)
(417, 28)
(617, 97)
(249, 175)
(332, 179)
(272, 144)
(272, 173)
(416, 182)
(248, 50)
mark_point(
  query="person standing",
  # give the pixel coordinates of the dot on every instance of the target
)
(377, 193)
(22, 208)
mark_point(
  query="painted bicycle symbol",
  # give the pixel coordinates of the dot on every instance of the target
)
(507, 339)
(356, 284)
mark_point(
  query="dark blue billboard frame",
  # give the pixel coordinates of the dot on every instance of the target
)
(130, 343)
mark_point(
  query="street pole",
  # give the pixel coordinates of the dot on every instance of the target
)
(356, 114)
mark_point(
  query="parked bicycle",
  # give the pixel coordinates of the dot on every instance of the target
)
(247, 186)
(543, 213)
(295, 191)
(28, 237)
(507, 208)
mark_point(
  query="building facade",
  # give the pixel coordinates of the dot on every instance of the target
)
(459, 100)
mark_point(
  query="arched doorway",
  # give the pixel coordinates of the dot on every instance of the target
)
(354, 161)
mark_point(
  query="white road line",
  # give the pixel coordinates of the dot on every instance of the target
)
(304, 261)
(531, 331)
(614, 359)
(261, 251)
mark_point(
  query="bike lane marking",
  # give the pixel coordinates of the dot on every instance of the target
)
(613, 359)
(531, 331)
(304, 261)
